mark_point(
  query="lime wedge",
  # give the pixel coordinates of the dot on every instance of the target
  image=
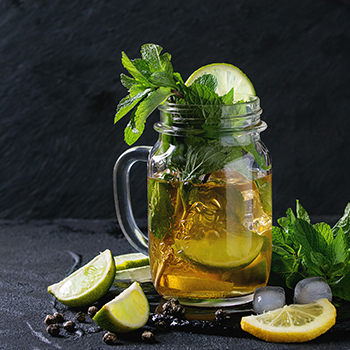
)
(126, 312)
(87, 284)
(137, 274)
(234, 251)
(228, 77)
(132, 260)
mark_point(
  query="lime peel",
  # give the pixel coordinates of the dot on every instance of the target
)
(131, 260)
(126, 312)
(228, 77)
(87, 284)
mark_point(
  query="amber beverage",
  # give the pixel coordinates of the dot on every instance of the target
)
(217, 243)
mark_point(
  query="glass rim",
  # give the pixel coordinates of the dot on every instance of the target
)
(171, 105)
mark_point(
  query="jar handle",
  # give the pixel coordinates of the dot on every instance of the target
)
(122, 198)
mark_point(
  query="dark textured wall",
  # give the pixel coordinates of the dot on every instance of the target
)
(59, 71)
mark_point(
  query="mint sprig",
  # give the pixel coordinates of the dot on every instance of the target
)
(301, 249)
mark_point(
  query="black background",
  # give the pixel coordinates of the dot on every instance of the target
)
(60, 67)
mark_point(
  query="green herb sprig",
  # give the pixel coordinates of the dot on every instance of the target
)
(152, 82)
(301, 249)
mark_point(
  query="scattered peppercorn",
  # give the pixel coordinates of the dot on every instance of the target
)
(109, 338)
(148, 337)
(173, 308)
(80, 316)
(53, 329)
(220, 314)
(59, 317)
(92, 311)
(161, 325)
(50, 319)
(69, 326)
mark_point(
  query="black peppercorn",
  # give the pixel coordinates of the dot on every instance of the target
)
(92, 311)
(50, 319)
(148, 337)
(59, 317)
(80, 316)
(69, 326)
(53, 329)
(109, 338)
(161, 325)
(220, 314)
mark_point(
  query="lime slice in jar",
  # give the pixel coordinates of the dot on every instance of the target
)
(214, 254)
(131, 260)
(228, 77)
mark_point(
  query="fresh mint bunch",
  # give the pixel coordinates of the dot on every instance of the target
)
(301, 249)
(153, 82)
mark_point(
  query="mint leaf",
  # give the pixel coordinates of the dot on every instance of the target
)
(325, 230)
(302, 213)
(136, 70)
(150, 54)
(160, 209)
(344, 223)
(208, 80)
(265, 194)
(228, 98)
(134, 130)
(128, 103)
(162, 78)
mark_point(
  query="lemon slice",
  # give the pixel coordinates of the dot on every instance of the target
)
(293, 323)
(126, 312)
(221, 253)
(87, 284)
(132, 260)
(228, 77)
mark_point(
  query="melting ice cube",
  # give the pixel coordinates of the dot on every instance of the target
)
(268, 298)
(311, 289)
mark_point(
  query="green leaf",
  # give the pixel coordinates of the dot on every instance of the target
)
(325, 230)
(131, 67)
(208, 80)
(339, 248)
(228, 98)
(344, 223)
(160, 210)
(162, 78)
(127, 81)
(151, 54)
(128, 103)
(306, 235)
(302, 213)
(265, 193)
(166, 63)
(144, 109)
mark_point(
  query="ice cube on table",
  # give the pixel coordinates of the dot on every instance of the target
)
(311, 289)
(268, 298)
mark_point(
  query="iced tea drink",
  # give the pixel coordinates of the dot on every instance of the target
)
(210, 240)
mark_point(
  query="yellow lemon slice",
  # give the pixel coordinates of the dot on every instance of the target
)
(87, 284)
(228, 77)
(126, 312)
(292, 323)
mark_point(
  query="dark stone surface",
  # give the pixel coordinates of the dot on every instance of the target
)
(35, 254)
(60, 66)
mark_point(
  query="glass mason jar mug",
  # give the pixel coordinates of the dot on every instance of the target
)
(209, 203)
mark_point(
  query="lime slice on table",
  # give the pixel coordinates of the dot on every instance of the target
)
(212, 253)
(126, 312)
(87, 284)
(138, 274)
(228, 77)
(132, 260)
